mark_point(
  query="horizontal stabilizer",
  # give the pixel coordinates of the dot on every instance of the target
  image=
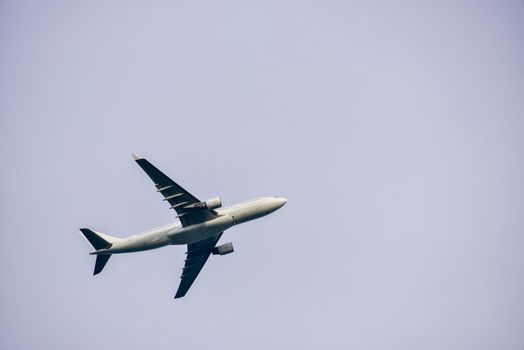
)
(101, 261)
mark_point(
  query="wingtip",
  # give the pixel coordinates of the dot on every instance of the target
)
(136, 156)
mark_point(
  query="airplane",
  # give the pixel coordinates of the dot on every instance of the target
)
(199, 225)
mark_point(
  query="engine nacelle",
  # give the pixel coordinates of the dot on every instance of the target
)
(213, 203)
(223, 249)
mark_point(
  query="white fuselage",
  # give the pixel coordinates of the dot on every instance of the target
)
(177, 234)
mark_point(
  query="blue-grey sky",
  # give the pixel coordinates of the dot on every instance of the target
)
(395, 129)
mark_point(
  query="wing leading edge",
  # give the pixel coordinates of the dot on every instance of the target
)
(180, 200)
(197, 255)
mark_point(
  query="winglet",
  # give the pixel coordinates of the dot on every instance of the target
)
(136, 156)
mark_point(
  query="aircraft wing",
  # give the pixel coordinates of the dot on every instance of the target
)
(197, 255)
(183, 202)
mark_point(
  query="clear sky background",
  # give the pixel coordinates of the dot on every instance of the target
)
(395, 130)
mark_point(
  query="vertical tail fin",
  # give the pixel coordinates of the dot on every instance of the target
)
(96, 239)
(99, 241)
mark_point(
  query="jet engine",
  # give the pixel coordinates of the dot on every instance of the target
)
(213, 203)
(223, 249)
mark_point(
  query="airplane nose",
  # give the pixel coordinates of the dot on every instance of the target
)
(281, 201)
